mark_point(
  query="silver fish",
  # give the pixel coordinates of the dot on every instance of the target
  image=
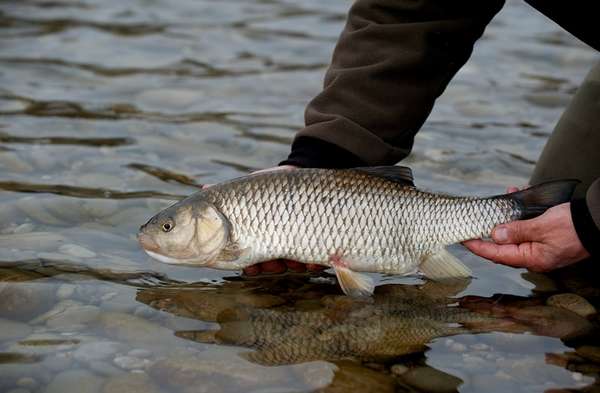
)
(398, 320)
(353, 220)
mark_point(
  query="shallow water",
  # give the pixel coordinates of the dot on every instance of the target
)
(111, 110)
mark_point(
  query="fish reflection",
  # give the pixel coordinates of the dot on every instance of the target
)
(287, 321)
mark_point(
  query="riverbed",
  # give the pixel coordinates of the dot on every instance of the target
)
(112, 110)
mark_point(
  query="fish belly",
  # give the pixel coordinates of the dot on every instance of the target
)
(370, 224)
(364, 253)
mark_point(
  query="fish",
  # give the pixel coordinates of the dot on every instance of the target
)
(398, 320)
(356, 220)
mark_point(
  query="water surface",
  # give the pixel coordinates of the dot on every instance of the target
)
(111, 110)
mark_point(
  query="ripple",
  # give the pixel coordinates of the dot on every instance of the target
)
(83, 192)
(33, 269)
(53, 26)
(64, 140)
(235, 165)
(165, 174)
(185, 67)
(18, 358)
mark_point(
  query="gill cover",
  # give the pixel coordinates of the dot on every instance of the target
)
(212, 231)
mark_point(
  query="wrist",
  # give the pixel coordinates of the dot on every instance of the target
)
(308, 152)
(585, 226)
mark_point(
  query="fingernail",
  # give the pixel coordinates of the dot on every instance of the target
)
(501, 234)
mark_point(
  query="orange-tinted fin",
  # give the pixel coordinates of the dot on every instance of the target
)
(442, 265)
(353, 283)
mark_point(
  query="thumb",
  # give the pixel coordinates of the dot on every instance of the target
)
(515, 232)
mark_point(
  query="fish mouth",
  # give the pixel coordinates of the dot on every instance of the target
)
(153, 250)
(164, 258)
(147, 243)
(174, 261)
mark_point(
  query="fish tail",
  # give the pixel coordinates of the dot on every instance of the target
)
(535, 200)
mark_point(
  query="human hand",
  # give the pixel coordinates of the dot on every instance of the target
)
(278, 266)
(540, 244)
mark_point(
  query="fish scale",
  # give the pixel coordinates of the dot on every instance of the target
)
(310, 215)
(367, 331)
(354, 220)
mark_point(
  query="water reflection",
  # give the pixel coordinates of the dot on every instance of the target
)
(38, 269)
(280, 316)
(296, 320)
(292, 320)
(111, 110)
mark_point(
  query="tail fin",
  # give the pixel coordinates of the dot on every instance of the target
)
(535, 200)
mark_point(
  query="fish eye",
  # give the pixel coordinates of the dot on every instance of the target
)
(167, 226)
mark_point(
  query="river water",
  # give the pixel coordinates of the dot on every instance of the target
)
(110, 110)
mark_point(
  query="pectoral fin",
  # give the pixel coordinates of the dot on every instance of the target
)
(353, 283)
(443, 265)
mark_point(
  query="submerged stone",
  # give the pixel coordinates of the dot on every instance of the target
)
(231, 372)
(73, 316)
(39, 241)
(352, 377)
(542, 282)
(76, 251)
(19, 390)
(104, 369)
(27, 382)
(131, 362)
(130, 383)
(23, 300)
(129, 328)
(81, 381)
(589, 352)
(315, 375)
(12, 330)
(572, 302)
(398, 369)
(37, 211)
(88, 352)
(58, 362)
(65, 291)
(431, 380)
(99, 208)
(10, 161)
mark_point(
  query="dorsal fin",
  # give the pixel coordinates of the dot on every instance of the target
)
(397, 174)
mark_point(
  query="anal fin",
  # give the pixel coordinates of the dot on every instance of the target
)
(442, 265)
(352, 283)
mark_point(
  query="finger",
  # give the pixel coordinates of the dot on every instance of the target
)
(294, 266)
(273, 267)
(313, 267)
(513, 255)
(517, 232)
(252, 270)
(512, 189)
(206, 186)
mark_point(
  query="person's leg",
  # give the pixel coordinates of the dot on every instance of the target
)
(573, 149)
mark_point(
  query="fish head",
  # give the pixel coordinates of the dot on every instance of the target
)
(186, 233)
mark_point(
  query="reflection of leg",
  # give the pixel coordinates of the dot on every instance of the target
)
(573, 149)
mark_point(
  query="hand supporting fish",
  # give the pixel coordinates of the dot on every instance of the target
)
(540, 244)
(353, 220)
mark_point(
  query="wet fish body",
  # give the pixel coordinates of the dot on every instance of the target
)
(398, 320)
(371, 332)
(356, 220)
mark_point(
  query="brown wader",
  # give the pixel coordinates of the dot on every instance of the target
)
(573, 149)
(395, 57)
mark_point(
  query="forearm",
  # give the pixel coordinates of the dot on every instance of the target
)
(585, 213)
(393, 59)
